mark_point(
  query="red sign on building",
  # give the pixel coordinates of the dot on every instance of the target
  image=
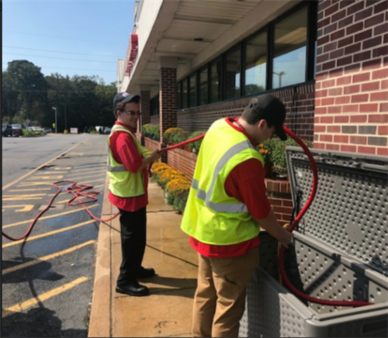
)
(132, 53)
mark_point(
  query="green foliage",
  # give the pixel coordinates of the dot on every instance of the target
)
(151, 131)
(30, 133)
(175, 135)
(195, 146)
(278, 150)
(79, 100)
(94, 132)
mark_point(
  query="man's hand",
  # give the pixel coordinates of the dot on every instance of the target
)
(286, 238)
(155, 156)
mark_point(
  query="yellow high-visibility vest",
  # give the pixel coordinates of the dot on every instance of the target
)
(211, 216)
(122, 182)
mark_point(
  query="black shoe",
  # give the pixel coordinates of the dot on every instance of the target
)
(133, 289)
(145, 273)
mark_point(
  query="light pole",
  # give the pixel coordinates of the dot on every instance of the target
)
(56, 127)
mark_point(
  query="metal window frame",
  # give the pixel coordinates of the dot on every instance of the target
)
(269, 29)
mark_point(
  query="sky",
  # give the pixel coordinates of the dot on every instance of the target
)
(68, 37)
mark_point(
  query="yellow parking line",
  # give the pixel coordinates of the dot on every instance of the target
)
(48, 233)
(41, 166)
(84, 169)
(52, 173)
(47, 217)
(31, 184)
(16, 190)
(47, 295)
(79, 177)
(54, 178)
(24, 207)
(23, 197)
(46, 258)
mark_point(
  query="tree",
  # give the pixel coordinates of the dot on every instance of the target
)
(23, 85)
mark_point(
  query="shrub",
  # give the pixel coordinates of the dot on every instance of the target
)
(174, 182)
(278, 152)
(151, 131)
(195, 146)
(178, 192)
(175, 135)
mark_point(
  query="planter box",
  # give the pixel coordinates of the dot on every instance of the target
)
(183, 161)
(151, 144)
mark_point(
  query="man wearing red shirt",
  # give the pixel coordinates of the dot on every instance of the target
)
(127, 168)
(224, 211)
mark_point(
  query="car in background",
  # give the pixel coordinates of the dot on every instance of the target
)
(32, 128)
(106, 130)
(17, 129)
(6, 130)
(47, 130)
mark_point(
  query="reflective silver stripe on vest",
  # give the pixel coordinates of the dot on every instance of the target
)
(202, 195)
(113, 169)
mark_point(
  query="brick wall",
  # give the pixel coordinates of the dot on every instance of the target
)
(145, 107)
(299, 102)
(168, 100)
(352, 77)
(183, 161)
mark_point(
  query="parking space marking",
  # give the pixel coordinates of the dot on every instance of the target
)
(16, 190)
(47, 217)
(40, 298)
(84, 169)
(24, 207)
(95, 175)
(23, 197)
(55, 178)
(31, 184)
(50, 233)
(52, 173)
(41, 166)
(48, 257)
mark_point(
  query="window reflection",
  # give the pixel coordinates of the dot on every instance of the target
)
(203, 91)
(216, 89)
(184, 93)
(193, 90)
(256, 64)
(289, 63)
(232, 74)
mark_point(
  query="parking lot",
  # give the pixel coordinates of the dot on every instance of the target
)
(47, 279)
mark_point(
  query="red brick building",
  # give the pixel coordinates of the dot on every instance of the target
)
(327, 60)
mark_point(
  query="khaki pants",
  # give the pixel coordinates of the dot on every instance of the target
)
(219, 301)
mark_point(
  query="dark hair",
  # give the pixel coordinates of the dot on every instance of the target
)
(120, 106)
(253, 114)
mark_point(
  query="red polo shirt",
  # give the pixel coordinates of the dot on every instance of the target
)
(245, 183)
(125, 152)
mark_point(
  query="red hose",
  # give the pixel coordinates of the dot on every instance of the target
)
(295, 223)
(77, 191)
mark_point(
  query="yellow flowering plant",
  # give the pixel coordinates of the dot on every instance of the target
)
(265, 150)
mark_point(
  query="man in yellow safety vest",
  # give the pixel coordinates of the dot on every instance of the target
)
(127, 169)
(226, 207)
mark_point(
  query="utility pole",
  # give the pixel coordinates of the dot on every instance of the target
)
(65, 119)
(56, 125)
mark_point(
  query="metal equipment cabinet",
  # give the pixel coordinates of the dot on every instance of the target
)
(339, 252)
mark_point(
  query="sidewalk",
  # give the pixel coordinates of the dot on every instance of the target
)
(167, 311)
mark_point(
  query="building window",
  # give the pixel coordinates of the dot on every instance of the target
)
(289, 61)
(193, 90)
(179, 95)
(203, 87)
(233, 73)
(256, 64)
(216, 78)
(155, 106)
(184, 93)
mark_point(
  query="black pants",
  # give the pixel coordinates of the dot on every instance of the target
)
(133, 241)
